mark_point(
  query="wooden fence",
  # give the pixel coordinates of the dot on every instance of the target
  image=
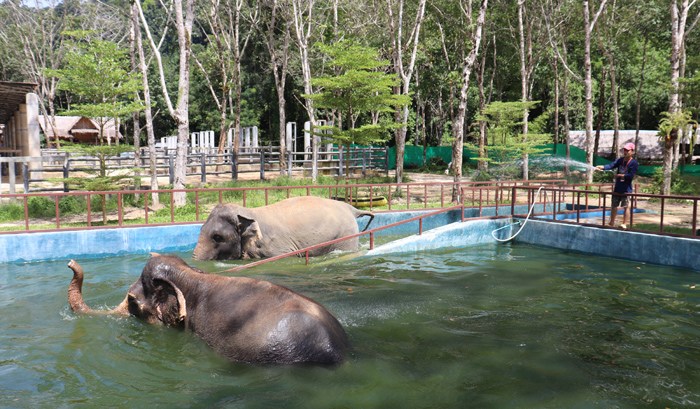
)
(44, 174)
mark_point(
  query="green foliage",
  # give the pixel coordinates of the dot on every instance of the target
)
(506, 144)
(685, 185)
(360, 88)
(11, 212)
(97, 73)
(41, 206)
(671, 122)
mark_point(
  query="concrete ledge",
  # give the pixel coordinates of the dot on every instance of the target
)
(26, 247)
(459, 235)
(648, 248)
(672, 251)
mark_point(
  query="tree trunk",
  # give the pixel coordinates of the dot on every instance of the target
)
(180, 113)
(678, 19)
(601, 112)
(302, 28)
(458, 124)
(405, 73)
(482, 164)
(150, 134)
(616, 108)
(557, 97)
(279, 59)
(589, 24)
(523, 83)
(638, 102)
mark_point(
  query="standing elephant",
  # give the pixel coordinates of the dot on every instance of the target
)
(236, 232)
(243, 319)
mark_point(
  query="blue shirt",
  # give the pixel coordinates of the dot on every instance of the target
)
(629, 168)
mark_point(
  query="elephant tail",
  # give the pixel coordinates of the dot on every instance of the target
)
(359, 213)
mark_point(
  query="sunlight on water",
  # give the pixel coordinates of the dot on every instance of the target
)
(508, 326)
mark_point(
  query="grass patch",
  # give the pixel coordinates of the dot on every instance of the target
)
(654, 228)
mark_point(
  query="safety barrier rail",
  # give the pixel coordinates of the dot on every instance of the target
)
(305, 251)
(133, 208)
(655, 217)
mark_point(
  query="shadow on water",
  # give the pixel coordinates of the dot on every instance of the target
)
(507, 326)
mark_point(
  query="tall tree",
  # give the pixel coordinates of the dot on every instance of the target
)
(277, 31)
(679, 18)
(150, 133)
(96, 73)
(180, 112)
(404, 69)
(467, 67)
(589, 24)
(304, 24)
(360, 88)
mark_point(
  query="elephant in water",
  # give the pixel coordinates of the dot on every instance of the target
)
(243, 319)
(236, 232)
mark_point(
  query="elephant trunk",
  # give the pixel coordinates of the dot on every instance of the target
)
(75, 294)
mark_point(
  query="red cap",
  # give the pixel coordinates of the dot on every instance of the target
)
(629, 146)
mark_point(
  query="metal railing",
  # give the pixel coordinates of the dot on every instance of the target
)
(371, 233)
(592, 206)
(133, 208)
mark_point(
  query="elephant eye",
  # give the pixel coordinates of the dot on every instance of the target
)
(218, 238)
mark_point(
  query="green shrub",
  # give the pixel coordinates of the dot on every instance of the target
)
(686, 185)
(72, 205)
(41, 206)
(11, 212)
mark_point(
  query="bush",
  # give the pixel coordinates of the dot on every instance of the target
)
(72, 205)
(11, 212)
(686, 185)
(41, 206)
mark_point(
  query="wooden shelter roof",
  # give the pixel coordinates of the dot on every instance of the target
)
(12, 94)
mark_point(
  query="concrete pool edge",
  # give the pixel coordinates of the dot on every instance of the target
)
(440, 231)
(648, 248)
(30, 247)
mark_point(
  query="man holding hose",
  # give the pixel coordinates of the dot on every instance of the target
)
(626, 170)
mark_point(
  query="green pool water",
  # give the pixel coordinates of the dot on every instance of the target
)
(494, 326)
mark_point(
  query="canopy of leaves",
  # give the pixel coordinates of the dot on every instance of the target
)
(359, 88)
(96, 72)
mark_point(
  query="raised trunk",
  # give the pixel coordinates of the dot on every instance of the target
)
(75, 295)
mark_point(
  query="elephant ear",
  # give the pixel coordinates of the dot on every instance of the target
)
(169, 302)
(249, 229)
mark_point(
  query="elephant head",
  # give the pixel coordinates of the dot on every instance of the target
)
(153, 299)
(227, 234)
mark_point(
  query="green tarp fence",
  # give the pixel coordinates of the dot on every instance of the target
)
(413, 157)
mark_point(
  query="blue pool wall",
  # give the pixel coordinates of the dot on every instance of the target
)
(647, 248)
(29, 247)
(438, 232)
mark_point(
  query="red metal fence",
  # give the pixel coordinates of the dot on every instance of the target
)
(672, 215)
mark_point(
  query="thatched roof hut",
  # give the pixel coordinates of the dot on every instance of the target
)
(79, 129)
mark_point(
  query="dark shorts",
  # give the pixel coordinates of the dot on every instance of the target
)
(619, 200)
